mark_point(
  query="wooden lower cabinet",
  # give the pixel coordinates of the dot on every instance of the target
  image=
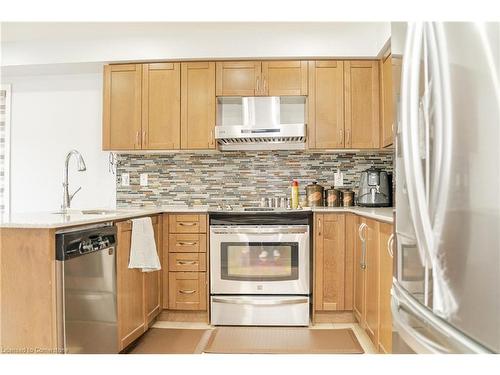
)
(372, 280)
(329, 262)
(152, 280)
(130, 290)
(138, 293)
(185, 278)
(187, 291)
(359, 274)
(385, 284)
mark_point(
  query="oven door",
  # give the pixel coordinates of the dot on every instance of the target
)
(267, 259)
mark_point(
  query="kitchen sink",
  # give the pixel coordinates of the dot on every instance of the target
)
(85, 212)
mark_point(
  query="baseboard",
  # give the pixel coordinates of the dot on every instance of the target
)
(183, 316)
(334, 317)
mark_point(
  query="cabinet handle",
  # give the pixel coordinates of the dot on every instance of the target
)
(188, 224)
(360, 231)
(211, 138)
(390, 244)
(186, 262)
(257, 84)
(144, 138)
(319, 226)
(190, 291)
(186, 243)
(264, 86)
(341, 137)
(348, 137)
(137, 141)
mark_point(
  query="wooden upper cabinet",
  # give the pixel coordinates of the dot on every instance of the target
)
(329, 262)
(238, 78)
(198, 105)
(372, 280)
(122, 107)
(387, 120)
(385, 332)
(161, 105)
(326, 104)
(281, 78)
(361, 85)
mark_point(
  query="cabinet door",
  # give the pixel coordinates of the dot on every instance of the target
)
(387, 103)
(361, 80)
(122, 107)
(351, 231)
(372, 280)
(238, 78)
(281, 78)
(359, 273)
(152, 280)
(198, 105)
(385, 334)
(329, 261)
(161, 105)
(130, 290)
(326, 104)
(187, 291)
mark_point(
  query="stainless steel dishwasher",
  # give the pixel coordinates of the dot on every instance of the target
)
(86, 269)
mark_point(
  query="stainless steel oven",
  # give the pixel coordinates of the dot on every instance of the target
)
(256, 259)
(260, 267)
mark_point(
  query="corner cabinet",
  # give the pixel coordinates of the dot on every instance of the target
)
(385, 285)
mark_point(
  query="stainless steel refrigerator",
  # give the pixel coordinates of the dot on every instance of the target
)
(446, 285)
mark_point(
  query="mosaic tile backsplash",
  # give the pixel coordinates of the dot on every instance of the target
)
(237, 178)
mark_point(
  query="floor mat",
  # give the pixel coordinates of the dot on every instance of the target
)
(282, 340)
(172, 341)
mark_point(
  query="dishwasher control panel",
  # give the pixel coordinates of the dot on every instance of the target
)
(75, 243)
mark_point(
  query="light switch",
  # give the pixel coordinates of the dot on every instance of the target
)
(125, 179)
(144, 179)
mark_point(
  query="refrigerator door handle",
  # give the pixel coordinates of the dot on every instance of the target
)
(402, 301)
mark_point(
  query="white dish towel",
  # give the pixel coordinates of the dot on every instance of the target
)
(143, 247)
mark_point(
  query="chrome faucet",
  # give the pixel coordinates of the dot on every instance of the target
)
(67, 197)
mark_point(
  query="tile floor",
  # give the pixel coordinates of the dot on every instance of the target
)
(362, 337)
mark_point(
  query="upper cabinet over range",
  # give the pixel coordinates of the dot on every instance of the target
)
(261, 78)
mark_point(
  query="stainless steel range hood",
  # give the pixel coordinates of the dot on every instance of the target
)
(261, 123)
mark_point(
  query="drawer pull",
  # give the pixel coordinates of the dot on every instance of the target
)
(190, 291)
(184, 262)
(186, 243)
(188, 224)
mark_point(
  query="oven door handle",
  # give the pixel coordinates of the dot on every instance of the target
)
(249, 301)
(260, 230)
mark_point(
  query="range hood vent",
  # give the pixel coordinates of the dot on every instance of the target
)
(261, 123)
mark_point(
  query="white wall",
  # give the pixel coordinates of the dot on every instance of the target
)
(52, 114)
(63, 43)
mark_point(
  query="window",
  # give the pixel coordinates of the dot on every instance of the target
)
(4, 148)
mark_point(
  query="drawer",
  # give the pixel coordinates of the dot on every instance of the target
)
(187, 262)
(187, 243)
(187, 291)
(187, 223)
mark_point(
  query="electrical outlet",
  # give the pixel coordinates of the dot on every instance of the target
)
(125, 179)
(144, 179)
(338, 178)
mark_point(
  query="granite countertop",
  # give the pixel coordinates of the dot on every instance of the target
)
(48, 220)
